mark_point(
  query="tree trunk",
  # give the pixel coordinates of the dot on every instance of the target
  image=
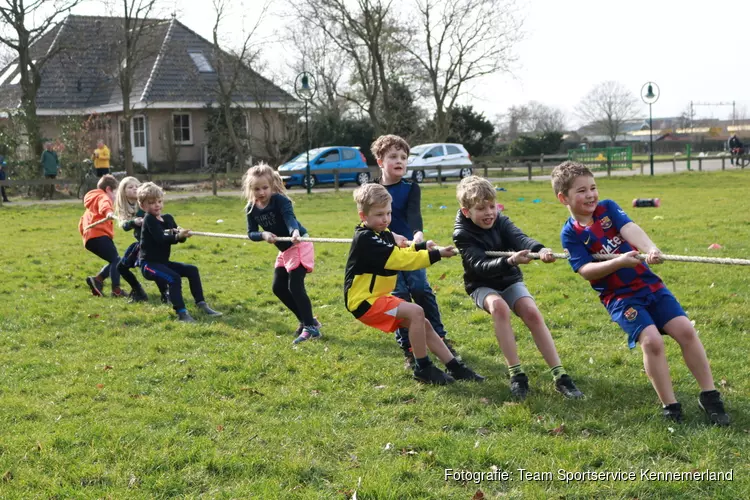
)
(127, 144)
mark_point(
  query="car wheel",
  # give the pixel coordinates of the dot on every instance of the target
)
(363, 178)
(465, 172)
(310, 180)
(417, 176)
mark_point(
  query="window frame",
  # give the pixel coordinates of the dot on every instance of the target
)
(191, 139)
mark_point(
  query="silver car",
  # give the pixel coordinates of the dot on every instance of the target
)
(424, 159)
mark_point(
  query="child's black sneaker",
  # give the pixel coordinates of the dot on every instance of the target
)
(519, 386)
(463, 372)
(185, 317)
(96, 286)
(119, 293)
(409, 360)
(672, 412)
(433, 375)
(204, 307)
(711, 403)
(565, 386)
(138, 296)
(308, 333)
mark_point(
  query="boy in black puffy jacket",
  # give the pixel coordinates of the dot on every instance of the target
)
(496, 283)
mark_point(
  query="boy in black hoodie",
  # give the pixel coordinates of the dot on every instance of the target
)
(496, 283)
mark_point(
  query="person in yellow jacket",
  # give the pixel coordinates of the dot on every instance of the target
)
(374, 260)
(101, 158)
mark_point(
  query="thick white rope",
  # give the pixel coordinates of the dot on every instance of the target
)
(94, 224)
(665, 257)
(532, 255)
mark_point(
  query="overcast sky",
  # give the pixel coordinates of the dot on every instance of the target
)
(688, 48)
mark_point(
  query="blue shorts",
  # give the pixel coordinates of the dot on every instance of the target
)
(633, 314)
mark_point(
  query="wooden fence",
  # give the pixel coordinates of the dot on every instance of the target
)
(527, 167)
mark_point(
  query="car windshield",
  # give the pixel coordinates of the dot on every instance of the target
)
(303, 157)
(417, 150)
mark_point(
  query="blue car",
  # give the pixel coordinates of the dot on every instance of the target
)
(293, 172)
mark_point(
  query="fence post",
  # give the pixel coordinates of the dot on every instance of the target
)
(336, 180)
(229, 166)
(486, 171)
(723, 162)
(609, 169)
(700, 164)
(528, 165)
(440, 175)
(541, 162)
(674, 164)
(1, 201)
(213, 182)
(641, 168)
(689, 148)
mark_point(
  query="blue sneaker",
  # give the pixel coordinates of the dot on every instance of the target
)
(308, 333)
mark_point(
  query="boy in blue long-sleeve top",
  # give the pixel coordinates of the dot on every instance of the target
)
(392, 152)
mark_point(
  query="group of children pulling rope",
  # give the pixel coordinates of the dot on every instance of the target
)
(386, 284)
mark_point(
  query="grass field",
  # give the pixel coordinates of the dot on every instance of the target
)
(104, 399)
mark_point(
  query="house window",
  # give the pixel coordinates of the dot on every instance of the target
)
(201, 62)
(182, 128)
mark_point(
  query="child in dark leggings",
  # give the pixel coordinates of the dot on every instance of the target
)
(269, 207)
(99, 239)
(130, 215)
(158, 234)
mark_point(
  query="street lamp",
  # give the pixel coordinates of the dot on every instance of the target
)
(304, 87)
(650, 94)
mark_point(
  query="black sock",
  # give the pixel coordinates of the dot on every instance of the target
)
(422, 363)
(453, 364)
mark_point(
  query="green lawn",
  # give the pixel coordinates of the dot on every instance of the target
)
(103, 399)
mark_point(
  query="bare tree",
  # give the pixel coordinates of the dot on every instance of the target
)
(607, 107)
(231, 69)
(362, 34)
(457, 41)
(19, 32)
(319, 56)
(687, 117)
(133, 49)
(6, 56)
(543, 118)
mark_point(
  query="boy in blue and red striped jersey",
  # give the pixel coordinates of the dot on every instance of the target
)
(633, 295)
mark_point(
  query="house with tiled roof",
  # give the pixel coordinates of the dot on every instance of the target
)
(175, 81)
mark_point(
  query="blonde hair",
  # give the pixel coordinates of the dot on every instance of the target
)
(474, 190)
(149, 192)
(565, 174)
(123, 209)
(257, 172)
(385, 142)
(371, 195)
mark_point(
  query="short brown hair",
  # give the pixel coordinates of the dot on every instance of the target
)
(566, 173)
(107, 181)
(148, 191)
(473, 190)
(371, 195)
(385, 142)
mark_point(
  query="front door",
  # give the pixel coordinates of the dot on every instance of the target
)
(138, 140)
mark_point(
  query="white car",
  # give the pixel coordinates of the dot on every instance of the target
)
(425, 158)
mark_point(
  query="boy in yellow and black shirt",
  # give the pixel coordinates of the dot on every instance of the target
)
(375, 258)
